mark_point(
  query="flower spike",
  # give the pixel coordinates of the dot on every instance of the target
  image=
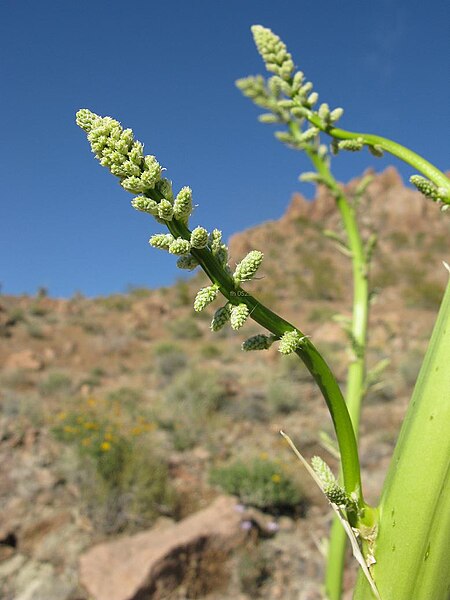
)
(258, 342)
(239, 314)
(205, 296)
(247, 268)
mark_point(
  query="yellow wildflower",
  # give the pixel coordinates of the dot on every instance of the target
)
(276, 478)
(105, 446)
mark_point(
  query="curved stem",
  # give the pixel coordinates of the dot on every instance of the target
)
(394, 148)
(357, 368)
(308, 353)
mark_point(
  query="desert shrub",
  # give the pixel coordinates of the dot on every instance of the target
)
(16, 315)
(138, 292)
(35, 331)
(37, 309)
(210, 351)
(125, 482)
(185, 329)
(282, 396)
(91, 327)
(169, 359)
(190, 402)
(127, 397)
(261, 483)
(118, 302)
(250, 405)
(55, 383)
(200, 392)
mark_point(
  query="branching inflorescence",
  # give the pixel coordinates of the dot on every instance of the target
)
(116, 149)
(290, 100)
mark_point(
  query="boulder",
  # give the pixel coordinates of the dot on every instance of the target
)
(152, 563)
(24, 359)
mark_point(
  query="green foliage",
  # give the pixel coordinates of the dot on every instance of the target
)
(55, 383)
(210, 351)
(35, 331)
(185, 328)
(261, 483)
(169, 359)
(125, 483)
(283, 396)
(191, 401)
(128, 398)
(117, 302)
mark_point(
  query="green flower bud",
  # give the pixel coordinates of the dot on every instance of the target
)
(258, 342)
(305, 89)
(337, 495)
(145, 205)
(426, 187)
(239, 314)
(182, 207)
(324, 111)
(336, 114)
(300, 112)
(164, 186)
(285, 137)
(269, 118)
(134, 185)
(130, 169)
(152, 171)
(219, 250)
(248, 266)
(312, 98)
(179, 246)
(220, 318)
(376, 150)
(86, 119)
(309, 134)
(311, 177)
(161, 240)
(351, 145)
(136, 154)
(297, 81)
(289, 342)
(323, 471)
(215, 240)
(273, 52)
(187, 262)
(199, 237)
(205, 296)
(165, 210)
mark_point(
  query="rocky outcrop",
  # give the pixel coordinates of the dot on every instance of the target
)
(146, 564)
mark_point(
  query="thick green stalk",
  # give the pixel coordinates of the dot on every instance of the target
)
(394, 148)
(308, 353)
(357, 368)
(413, 545)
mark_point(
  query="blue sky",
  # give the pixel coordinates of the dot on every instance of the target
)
(167, 70)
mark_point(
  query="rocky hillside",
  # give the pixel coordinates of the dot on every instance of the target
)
(124, 417)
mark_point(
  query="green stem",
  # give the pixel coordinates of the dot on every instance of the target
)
(413, 544)
(394, 148)
(313, 360)
(357, 368)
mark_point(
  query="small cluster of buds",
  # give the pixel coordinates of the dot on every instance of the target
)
(332, 490)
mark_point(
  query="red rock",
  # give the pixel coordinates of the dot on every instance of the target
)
(144, 564)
